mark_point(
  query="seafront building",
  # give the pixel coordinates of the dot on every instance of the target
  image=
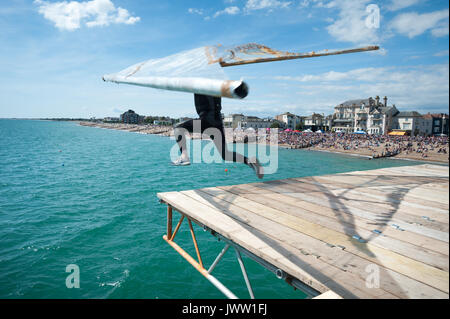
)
(369, 115)
(289, 120)
(411, 123)
(314, 122)
(439, 123)
(232, 120)
(240, 121)
(131, 117)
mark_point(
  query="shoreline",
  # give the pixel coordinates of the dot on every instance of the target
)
(168, 132)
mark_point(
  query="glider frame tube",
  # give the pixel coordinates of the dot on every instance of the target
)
(213, 87)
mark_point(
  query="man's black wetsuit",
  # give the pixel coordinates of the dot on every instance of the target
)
(208, 109)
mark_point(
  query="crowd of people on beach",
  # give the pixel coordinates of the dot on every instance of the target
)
(378, 145)
(375, 146)
(371, 145)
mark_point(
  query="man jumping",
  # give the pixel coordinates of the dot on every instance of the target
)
(208, 109)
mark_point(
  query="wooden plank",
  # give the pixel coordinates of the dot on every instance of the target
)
(362, 209)
(383, 195)
(429, 244)
(407, 266)
(346, 227)
(328, 295)
(416, 170)
(439, 183)
(413, 207)
(404, 189)
(336, 257)
(412, 215)
(366, 204)
(422, 170)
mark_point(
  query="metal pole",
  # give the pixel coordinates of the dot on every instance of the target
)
(299, 56)
(244, 272)
(169, 221)
(200, 269)
(218, 258)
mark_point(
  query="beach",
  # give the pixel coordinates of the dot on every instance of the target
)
(416, 149)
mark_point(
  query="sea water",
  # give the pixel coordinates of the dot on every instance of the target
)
(84, 196)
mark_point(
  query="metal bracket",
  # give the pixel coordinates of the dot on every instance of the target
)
(198, 265)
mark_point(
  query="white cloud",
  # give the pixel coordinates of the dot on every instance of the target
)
(71, 15)
(441, 53)
(401, 4)
(266, 4)
(351, 26)
(413, 24)
(195, 11)
(229, 10)
(410, 88)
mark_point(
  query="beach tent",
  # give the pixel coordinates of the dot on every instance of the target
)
(296, 131)
(307, 131)
(319, 131)
(288, 130)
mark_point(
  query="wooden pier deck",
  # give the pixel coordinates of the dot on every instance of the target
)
(381, 233)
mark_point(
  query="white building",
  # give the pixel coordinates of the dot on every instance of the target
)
(368, 115)
(289, 120)
(413, 123)
(314, 122)
(232, 120)
(255, 122)
(241, 121)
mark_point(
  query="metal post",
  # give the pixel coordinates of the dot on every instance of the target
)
(218, 258)
(244, 272)
(169, 221)
(200, 269)
(195, 243)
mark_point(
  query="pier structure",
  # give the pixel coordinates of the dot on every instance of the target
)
(380, 233)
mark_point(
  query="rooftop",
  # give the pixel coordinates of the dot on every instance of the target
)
(409, 114)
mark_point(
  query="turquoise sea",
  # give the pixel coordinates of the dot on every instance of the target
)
(87, 196)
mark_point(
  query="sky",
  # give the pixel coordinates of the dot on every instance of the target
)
(53, 54)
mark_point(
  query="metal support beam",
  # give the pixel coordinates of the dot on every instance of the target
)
(238, 249)
(244, 272)
(218, 258)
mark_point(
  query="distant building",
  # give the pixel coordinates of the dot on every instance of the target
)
(412, 123)
(111, 119)
(369, 115)
(184, 119)
(439, 123)
(289, 120)
(314, 122)
(254, 122)
(327, 123)
(131, 117)
(232, 120)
